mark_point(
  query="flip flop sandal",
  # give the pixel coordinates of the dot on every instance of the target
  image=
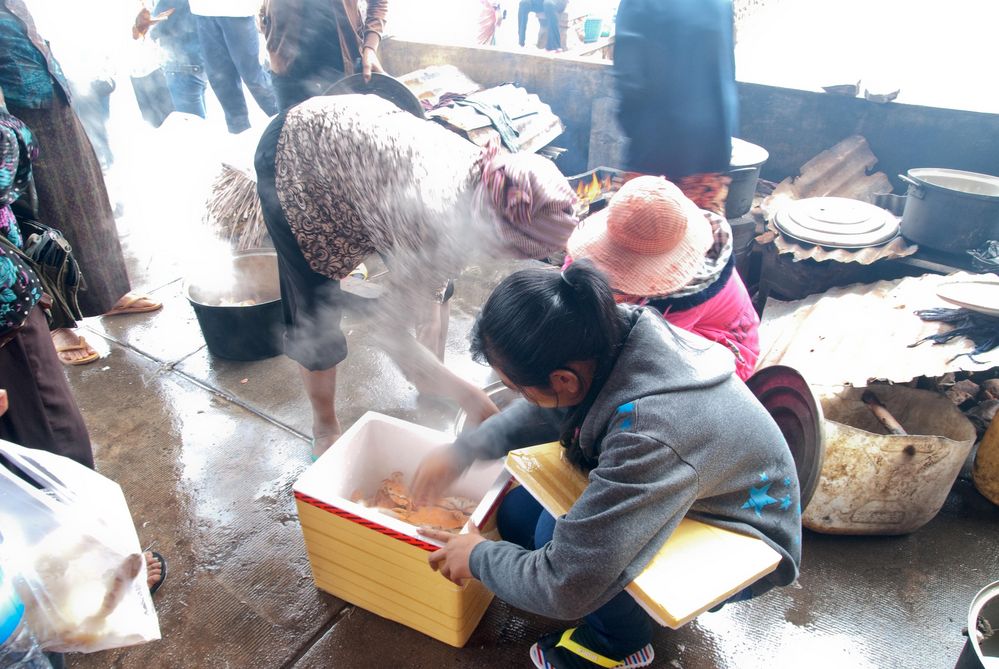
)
(568, 654)
(360, 272)
(163, 572)
(130, 308)
(80, 345)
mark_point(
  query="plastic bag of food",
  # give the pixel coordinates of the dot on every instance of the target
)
(68, 532)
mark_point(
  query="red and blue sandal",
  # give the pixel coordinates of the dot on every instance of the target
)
(560, 651)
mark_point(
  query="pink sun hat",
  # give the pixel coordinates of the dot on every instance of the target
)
(650, 239)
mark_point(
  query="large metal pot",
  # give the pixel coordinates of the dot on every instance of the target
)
(981, 651)
(950, 210)
(238, 306)
(746, 163)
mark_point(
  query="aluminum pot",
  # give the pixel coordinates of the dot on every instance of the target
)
(746, 163)
(238, 306)
(981, 651)
(950, 210)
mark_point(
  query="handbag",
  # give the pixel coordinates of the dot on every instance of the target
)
(50, 256)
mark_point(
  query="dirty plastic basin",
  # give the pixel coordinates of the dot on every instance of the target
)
(877, 483)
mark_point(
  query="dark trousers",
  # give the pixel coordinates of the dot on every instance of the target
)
(551, 9)
(43, 413)
(231, 49)
(621, 623)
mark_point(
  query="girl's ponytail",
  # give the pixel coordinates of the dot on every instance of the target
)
(537, 321)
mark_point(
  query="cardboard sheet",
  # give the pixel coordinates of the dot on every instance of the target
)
(698, 567)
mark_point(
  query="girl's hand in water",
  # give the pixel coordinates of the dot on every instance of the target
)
(452, 560)
(436, 472)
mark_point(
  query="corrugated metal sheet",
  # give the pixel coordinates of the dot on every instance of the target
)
(859, 333)
(430, 83)
(896, 248)
(533, 120)
(841, 171)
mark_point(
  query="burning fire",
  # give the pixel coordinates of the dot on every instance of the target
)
(588, 192)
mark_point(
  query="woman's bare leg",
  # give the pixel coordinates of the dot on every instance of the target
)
(320, 386)
(431, 328)
(430, 376)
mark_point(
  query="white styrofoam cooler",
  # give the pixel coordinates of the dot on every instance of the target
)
(379, 562)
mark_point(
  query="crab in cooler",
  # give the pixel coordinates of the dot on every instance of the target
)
(393, 498)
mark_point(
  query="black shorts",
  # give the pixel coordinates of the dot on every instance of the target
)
(312, 303)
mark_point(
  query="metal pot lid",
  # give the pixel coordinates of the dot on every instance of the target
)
(787, 397)
(745, 154)
(970, 183)
(836, 222)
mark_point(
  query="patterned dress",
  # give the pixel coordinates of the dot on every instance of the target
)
(388, 183)
(20, 290)
(72, 196)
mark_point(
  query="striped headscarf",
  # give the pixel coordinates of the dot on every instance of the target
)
(533, 198)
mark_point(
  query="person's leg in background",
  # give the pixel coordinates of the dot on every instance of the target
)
(222, 74)
(523, 13)
(552, 9)
(187, 85)
(243, 42)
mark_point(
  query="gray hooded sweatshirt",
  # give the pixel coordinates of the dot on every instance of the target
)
(674, 433)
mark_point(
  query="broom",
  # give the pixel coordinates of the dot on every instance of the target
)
(234, 214)
(233, 211)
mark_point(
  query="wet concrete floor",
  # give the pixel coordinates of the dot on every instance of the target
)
(207, 451)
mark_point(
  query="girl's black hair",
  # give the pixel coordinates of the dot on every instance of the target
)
(537, 320)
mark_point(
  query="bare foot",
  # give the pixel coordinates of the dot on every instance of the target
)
(154, 571)
(323, 438)
(71, 348)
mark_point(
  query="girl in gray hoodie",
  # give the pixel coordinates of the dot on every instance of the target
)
(665, 430)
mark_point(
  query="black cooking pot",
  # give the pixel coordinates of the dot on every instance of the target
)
(950, 210)
(747, 161)
(238, 306)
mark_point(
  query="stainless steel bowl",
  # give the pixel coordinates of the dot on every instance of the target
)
(498, 393)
